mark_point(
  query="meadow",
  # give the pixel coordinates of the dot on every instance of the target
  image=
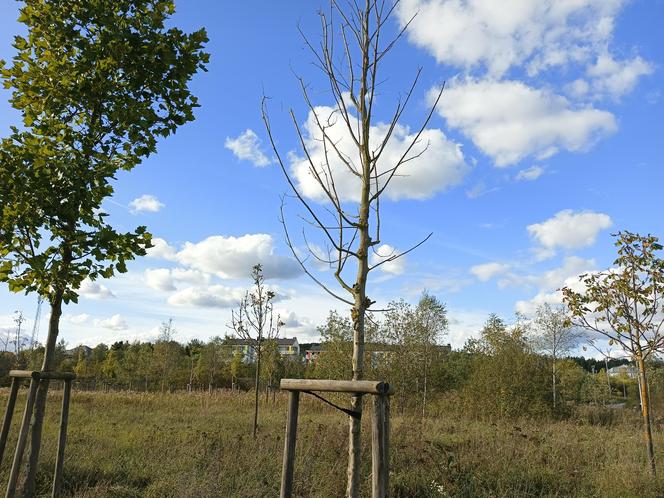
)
(124, 445)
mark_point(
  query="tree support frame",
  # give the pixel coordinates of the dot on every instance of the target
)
(380, 426)
(36, 378)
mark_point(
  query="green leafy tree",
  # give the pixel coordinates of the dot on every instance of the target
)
(334, 361)
(167, 355)
(213, 357)
(97, 83)
(508, 380)
(624, 304)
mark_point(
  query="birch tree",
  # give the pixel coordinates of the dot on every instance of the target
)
(353, 46)
(624, 304)
(554, 337)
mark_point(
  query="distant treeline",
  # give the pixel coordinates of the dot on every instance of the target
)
(499, 374)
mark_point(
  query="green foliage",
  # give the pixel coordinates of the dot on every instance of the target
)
(97, 83)
(508, 380)
(624, 303)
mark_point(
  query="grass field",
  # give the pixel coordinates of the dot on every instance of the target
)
(197, 445)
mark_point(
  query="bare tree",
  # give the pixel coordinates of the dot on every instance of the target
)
(254, 321)
(353, 46)
(554, 336)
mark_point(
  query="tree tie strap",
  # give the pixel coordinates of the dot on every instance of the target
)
(352, 413)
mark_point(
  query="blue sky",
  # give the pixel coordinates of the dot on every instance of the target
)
(547, 139)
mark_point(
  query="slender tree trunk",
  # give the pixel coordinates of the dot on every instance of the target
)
(553, 373)
(645, 413)
(256, 382)
(358, 315)
(37, 421)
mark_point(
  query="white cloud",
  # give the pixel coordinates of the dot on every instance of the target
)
(165, 279)
(214, 296)
(233, 257)
(549, 296)
(116, 322)
(394, 267)
(499, 36)
(161, 249)
(530, 174)
(487, 271)
(296, 325)
(76, 319)
(510, 121)
(439, 167)
(146, 204)
(617, 78)
(247, 147)
(94, 290)
(159, 279)
(570, 230)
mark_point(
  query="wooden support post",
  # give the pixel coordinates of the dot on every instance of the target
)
(64, 419)
(289, 445)
(22, 437)
(386, 444)
(378, 463)
(9, 413)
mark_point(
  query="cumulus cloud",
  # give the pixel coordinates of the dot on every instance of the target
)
(116, 322)
(569, 230)
(146, 204)
(499, 36)
(530, 174)
(384, 252)
(487, 271)
(161, 249)
(76, 319)
(617, 78)
(555, 296)
(509, 120)
(438, 167)
(248, 147)
(166, 279)
(213, 296)
(233, 257)
(94, 290)
(572, 266)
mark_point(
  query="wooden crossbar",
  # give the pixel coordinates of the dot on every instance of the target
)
(34, 374)
(337, 386)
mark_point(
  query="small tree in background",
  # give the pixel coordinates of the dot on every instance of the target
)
(413, 333)
(624, 304)
(555, 337)
(254, 321)
(97, 83)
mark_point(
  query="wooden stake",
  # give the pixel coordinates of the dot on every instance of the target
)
(64, 419)
(386, 445)
(289, 445)
(9, 413)
(377, 449)
(22, 438)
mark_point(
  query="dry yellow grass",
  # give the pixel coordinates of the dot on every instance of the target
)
(196, 445)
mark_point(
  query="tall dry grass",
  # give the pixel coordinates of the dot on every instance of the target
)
(195, 445)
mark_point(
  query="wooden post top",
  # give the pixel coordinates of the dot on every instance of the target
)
(338, 386)
(34, 374)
